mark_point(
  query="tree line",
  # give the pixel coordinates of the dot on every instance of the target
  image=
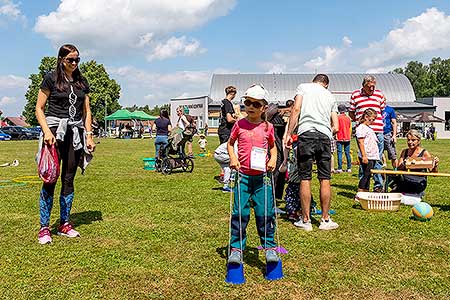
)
(432, 80)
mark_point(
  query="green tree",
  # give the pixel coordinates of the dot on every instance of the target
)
(103, 89)
(47, 64)
(431, 80)
(155, 110)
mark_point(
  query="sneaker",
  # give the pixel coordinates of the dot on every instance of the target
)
(349, 170)
(67, 230)
(328, 224)
(338, 171)
(271, 256)
(44, 237)
(306, 226)
(226, 189)
(235, 257)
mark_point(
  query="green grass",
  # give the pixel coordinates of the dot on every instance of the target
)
(150, 236)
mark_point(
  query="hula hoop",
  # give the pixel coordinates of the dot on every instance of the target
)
(26, 179)
(12, 184)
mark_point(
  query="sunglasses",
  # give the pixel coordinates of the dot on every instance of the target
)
(71, 60)
(255, 104)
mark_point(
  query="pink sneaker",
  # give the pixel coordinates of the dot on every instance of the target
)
(67, 230)
(45, 237)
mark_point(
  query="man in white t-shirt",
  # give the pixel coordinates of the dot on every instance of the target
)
(315, 112)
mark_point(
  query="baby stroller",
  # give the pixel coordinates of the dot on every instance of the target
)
(172, 156)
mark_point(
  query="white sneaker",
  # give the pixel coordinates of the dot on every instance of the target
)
(328, 224)
(306, 226)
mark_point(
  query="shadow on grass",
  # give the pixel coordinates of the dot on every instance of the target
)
(348, 195)
(442, 207)
(346, 186)
(251, 257)
(83, 218)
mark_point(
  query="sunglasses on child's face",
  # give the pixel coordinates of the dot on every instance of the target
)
(71, 60)
(255, 104)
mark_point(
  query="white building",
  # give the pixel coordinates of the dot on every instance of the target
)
(442, 105)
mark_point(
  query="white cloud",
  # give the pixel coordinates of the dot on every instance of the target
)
(118, 26)
(12, 91)
(10, 9)
(418, 38)
(325, 59)
(13, 82)
(176, 47)
(5, 100)
(153, 88)
(330, 54)
(330, 57)
(419, 35)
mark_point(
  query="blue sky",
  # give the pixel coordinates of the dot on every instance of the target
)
(157, 50)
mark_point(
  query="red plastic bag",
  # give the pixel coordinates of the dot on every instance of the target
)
(48, 167)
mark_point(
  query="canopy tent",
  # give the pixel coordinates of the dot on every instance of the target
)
(427, 117)
(142, 115)
(403, 118)
(121, 114)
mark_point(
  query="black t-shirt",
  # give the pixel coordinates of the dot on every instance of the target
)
(225, 108)
(59, 103)
(162, 126)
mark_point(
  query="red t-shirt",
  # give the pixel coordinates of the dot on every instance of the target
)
(345, 127)
(359, 102)
(249, 135)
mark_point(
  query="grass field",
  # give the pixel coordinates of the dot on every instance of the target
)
(149, 236)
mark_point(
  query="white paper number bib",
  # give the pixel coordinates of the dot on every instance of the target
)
(258, 159)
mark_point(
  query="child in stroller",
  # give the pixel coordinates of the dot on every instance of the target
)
(173, 156)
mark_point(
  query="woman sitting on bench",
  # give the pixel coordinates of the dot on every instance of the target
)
(413, 184)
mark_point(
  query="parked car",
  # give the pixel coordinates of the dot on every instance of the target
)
(4, 136)
(18, 132)
(34, 134)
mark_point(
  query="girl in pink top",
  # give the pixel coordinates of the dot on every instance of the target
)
(368, 148)
(256, 140)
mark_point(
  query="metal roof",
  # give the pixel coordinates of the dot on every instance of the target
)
(281, 87)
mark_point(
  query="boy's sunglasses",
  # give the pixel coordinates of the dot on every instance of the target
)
(71, 60)
(255, 104)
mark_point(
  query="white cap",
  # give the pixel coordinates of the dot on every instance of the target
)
(257, 92)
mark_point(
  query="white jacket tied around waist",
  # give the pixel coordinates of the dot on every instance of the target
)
(63, 124)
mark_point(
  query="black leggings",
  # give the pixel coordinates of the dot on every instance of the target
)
(70, 161)
(364, 182)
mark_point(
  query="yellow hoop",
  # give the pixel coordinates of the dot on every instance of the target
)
(26, 179)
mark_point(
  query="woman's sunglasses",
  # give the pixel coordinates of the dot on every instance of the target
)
(71, 60)
(255, 104)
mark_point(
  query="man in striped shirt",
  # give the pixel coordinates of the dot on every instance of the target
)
(369, 97)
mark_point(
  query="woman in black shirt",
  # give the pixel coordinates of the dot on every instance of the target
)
(67, 124)
(162, 127)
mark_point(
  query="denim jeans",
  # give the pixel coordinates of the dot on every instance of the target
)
(346, 146)
(378, 166)
(160, 140)
(377, 178)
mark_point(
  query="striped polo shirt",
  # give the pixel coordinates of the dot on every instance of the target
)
(359, 102)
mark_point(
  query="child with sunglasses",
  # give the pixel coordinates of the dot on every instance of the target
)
(255, 137)
(368, 147)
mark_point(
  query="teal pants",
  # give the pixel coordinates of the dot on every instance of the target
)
(256, 190)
